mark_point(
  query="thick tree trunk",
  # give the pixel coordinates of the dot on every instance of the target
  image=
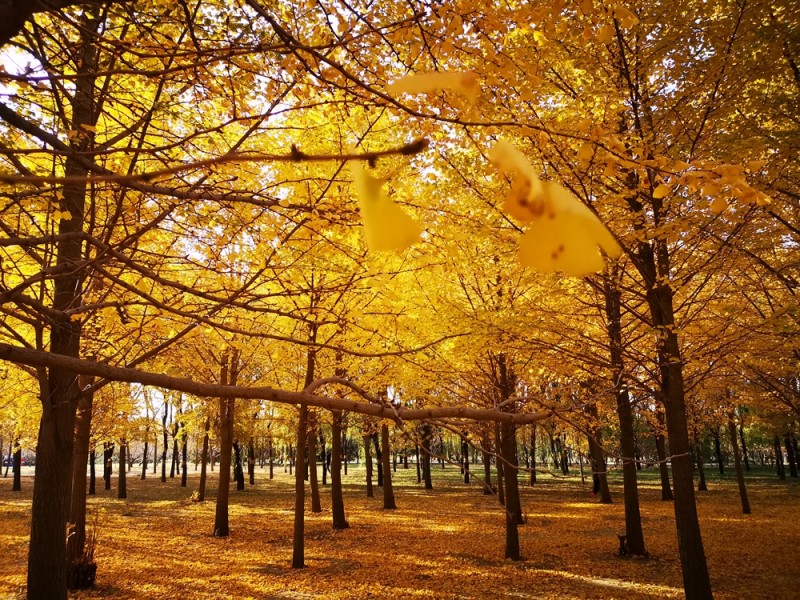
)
(388, 490)
(737, 461)
(337, 498)
(598, 458)
(122, 480)
(238, 471)
(513, 508)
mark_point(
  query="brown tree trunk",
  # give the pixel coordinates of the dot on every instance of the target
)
(368, 464)
(744, 447)
(633, 519)
(298, 542)
(238, 471)
(661, 451)
(184, 457)
(228, 376)
(427, 433)
(779, 459)
(165, 442)
(201, 488)
(92, 479)
(737, 461)
(465, 458)
(324, 456)
(77, 517)
(598, 461)
(271, 458)
(388, 491)
(251, 462)
(122, 479)
(513, 508)
(16, 470)
(501, 488)
(718, 452)
(698, 449)
(144, 455)
(790, 457)
(311, 441)
(532, 480)
(108, 463)
(378, 458)
(337, 497)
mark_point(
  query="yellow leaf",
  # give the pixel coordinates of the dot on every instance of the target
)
(586, 152)
(662, 191)
(563, 234)
(756, 165)
(465, 83)
(718, 204)
(626, 18)
(605, 34)
(386, 226)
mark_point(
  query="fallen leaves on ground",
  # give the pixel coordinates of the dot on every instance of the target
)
(445, 543)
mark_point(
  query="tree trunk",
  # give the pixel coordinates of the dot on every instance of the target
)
(271, 459)
(16, 471)
(368, 464)
(324, 455)
(201, 488)
(419, 467)
(337, 498)
(251, 462)
(465, 458)
(122, 483)
(378, 458)
(532, 480)
(513, 509)
(598, 461)
(487, 469)
(718, 452)
(501, 488)
(737, 461)
(427, 433)
(633, 519)
(165, 444)
(92, 478)
(184, 457)
(388, 491)
(661, 451)
(298, 542)
(108, 463)
(238, 470)
(311, 441)
(744, 447)
(779, 459)
(228, 376)
(701, 485)
(77, 517)
(790, 457)
(144, 457)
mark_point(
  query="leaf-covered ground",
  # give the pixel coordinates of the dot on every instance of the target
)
(445, 543)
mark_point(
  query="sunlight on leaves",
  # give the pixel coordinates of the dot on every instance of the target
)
(386, 226)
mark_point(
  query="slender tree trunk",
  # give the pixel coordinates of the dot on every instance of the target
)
(465, 458)
(324, 455)
(388, 491)
(378, 458)
(122, 483)
(92, 478)
(790, 457)
(298, 543)
(633, 519)
(419, 467)
(598, 461)
(108, 464)
(251, 462)
(10, 456)
(701, 485)
(744, 447)
(718, 452)
(737, 461)
(16, 471)
(311, 441)
(271, 459)
(661, 451)
(368, 464)
(144, 456)
(165, 444)
(427, 433)
(501, 488)
(779, 459)
(184, 457)
(201, 488)
(487, 469)
(532, 480)
(513, 509)
(76, 539)
(228, 376)
(337, 497)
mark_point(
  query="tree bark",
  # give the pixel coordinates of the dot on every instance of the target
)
(501, 487)
(298, 542)
(184, 457)
(790, 457)
(238, 471)
(701, 485)
(229, 374)
(465, 458)
(201, 488)
(779, 459)
(122, 483)
(532, 480)
(427, 433)
(661, 451)
(388, 490)
(337, 497)
(108, 463)
(16, 470)
(718, 452)
(737, 461)
(744, 447)
(92, 479)
(378, 458)
(311, 441)
(251, 461)
(368, 465)
(598, 462)
(77, 517)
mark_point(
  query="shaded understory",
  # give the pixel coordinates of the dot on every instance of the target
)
(445, 543)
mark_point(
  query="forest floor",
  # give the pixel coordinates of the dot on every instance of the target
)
(444, 543)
